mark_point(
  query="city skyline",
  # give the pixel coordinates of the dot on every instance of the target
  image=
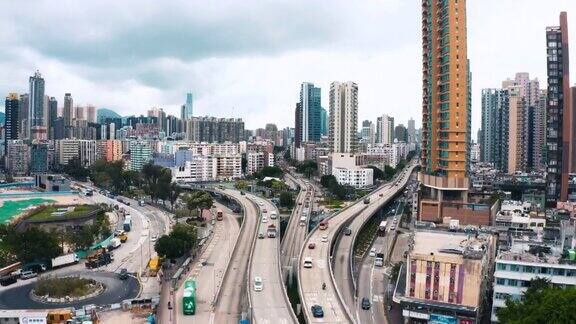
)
(217, 75)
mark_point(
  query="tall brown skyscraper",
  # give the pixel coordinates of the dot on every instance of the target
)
(560, 123)
(446, 102)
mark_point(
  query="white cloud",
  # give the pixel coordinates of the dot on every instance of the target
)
(246, 59)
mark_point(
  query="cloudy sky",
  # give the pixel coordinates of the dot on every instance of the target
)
(247, 58)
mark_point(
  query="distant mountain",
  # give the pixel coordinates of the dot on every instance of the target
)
(2, 117)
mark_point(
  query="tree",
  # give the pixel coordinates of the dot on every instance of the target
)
(286, 199)
(377, 173)
(170, 247)
(180, 241)
(174, 192)
(33, 244)
(75, 168)
(81, 239)
(156, 181)
(542, 303)
(241, 184)
(199, 200)
(307, 168)
(389, 172)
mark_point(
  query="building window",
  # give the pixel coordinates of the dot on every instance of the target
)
(501, 266)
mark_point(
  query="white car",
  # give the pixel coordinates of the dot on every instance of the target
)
(372, 252)
(324, 238)
(264, 219)
(261, 203)
(258, 284)
(153, 238)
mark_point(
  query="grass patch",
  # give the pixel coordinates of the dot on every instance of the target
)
(332, 203)
(46, 212)
(67, 286)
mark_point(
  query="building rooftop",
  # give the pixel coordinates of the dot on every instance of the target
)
(449, 243)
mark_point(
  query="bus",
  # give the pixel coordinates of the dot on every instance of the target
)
(324, 224)
(382, 227)
(189, 297)
(219, 215)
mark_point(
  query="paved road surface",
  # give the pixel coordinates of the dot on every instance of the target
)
(116, 291)
(233, 291)
(335, 309)
(271, 304)
(296, 232)
(208, 271)
(373, 280)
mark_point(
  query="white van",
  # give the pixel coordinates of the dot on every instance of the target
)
(303, 221)
(308, 262)
(273, 215)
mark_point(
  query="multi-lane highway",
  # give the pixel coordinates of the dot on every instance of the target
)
(209, 270)
(336, 309)
(270, 304)
(232, 295)
(372, 280)
(296, 230)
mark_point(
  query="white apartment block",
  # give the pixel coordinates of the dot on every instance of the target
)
(391, 154)
(515, 269)
(342, 127)
(355, 177)
(209, 168)
(348, 170)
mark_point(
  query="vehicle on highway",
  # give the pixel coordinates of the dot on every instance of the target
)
(141, 203)
(307, 262)
(379, 260)
(381, 195)
(372, 252)
(189, 297)
(348, 231)
(260, 235)
(323, 224)
(382, 227)
(127, 225)
(317, 311)
(302, 221)
(153, 238)
(28, 275)
(393, 227)
(264, 210)
(258, 284)
(365, 303)
(260, 203)
(324, 238)
(299, 203)
(272, 231)
(312, 245)
(264, 219)
(273, 215)
(219, 215)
